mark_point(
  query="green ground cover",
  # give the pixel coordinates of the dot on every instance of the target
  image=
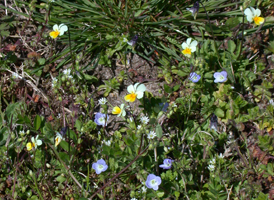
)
(108, 99)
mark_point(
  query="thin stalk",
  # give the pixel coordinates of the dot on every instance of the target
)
(36, 187)
(116, 176)
(215, 45)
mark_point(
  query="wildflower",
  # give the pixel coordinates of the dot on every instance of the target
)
(167, 164)
(101, 119)
(54, 82)
(221, 156)
(253, 15)
(103, 101)
(189, 47)
(214, 122)
(220, 77)
(133, 41)
(164, 106)
(58, 139)
(34, 143)
(14, 76)
(131, 119)
(271, 102)
(119, 111)
(139, 127)
(194, 77)
(108, 143)
(194, 10)
(99, 166)
(211, 167)
(22, 133)
(144, 189)
(58, 30)
(144, 119)
(136, 91)
(151, 135)
(153, 181)
(213, 161)
(67, 72)
(133, 199)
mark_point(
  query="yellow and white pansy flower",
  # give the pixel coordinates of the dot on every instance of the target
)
(254, 15)
(136, 91)
(34, 143)
(119, 110)
(58, 139)
(58, 30)
(189, 47)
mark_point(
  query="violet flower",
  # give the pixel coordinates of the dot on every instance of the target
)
(99, 166)
(194, 77)
(167, 164)
(153, 181)
(101, 119)
(220, 77)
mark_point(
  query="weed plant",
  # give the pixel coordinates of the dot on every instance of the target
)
(197, 123)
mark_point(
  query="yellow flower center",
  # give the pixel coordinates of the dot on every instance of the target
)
(187, 51)
(130, 97)
(258, 20)
(116, 110)
(57, 141)
(54, 34)
(30, 146)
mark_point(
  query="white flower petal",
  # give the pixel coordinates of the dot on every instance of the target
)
(188, 41)
(141, 88)
(184, 45)
(252, 10)
(139, 95)
(194, 43)
(193, 49)
(257, 12)
(130, 89)
(249, 18)
(39, 142)
(55, 27)
(62, 29)
(248, 12)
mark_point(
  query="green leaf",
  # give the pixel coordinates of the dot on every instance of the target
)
(3, 135)
(232, 22)
(219, 112)
(37, 122)
(160, 194)
(159, 131)
(60, 179)
(167, 88)
(64, 156)
(231, 46)
(41, 61)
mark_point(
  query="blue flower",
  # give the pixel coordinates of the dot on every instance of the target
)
(194, 77)
(133, 41)
(99, 166)
(220, 77)
(101, 119)
(164, 106)
(153, 181)
(194, 10)
(167, 164)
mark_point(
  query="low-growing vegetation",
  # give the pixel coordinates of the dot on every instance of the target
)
(134, 99)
